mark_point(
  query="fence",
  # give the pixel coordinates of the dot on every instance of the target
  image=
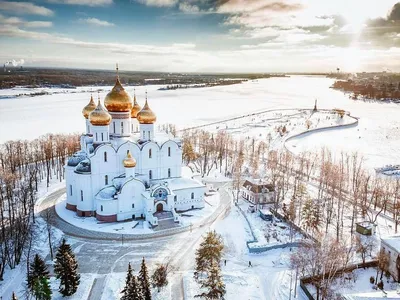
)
(260, 249)
(307, 280)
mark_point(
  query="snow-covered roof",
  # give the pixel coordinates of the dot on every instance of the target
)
(184, 183)
(257, 187)
(392, 241)
(107, 193)
(83, 166)
(76, 158)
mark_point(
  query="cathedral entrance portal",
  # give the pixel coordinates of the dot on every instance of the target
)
(159, 207)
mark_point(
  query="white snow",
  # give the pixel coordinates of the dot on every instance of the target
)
(377, 135)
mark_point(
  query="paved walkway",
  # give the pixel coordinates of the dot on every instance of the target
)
(105, 254)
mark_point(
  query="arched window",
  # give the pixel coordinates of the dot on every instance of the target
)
(106, 179)
(114, 126)
(149, 153)
(169, 151)
(70, 189)
(105, 156)
(101, 207)
(96, 137)
(81, 195)
(169, 172)
(150, 174)
(122, 127)
(127, 152)
(102, 137)
(192, 196)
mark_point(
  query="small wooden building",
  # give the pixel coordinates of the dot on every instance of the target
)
(365, 228)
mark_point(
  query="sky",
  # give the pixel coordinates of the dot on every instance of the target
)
(203, 35)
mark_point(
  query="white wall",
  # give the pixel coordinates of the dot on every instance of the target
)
(109, 207)
(131, 193)
(184, 200)
(84, 183)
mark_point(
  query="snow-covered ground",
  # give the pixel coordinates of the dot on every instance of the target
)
(269, 276)
(358, 286)
(376, 136)
(268, 233)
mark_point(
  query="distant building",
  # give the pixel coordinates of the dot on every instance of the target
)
(257, 192)
(391, 245)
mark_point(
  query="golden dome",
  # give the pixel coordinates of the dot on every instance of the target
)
(129, 161)
(89, 108)
(146, 115)
(100, 116)
(118, 100)
(135, 108)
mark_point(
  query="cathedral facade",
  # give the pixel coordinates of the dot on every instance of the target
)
(124, 169)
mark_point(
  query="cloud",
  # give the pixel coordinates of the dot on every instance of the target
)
(15, 63)
(240, 6)
(25, 8)
(13, 31)
(159, 3)
(22, 23)
(91, 3)
(186, 7)
(96, 22)
(394, 15)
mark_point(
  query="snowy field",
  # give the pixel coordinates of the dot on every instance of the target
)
(376, 136)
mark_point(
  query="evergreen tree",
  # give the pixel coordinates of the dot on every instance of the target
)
(13, 297)
(144, 281)
(41, 288)
(131, 290)
(159, 277)
(38, 279)
(134, 290)
(128, 280)
(209, 251)
(66, 269)
(213, 285)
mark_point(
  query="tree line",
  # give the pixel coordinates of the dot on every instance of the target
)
(23, 165)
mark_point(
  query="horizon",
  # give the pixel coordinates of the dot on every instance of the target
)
(203, 36)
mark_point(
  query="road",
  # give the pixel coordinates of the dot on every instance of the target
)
(103, 256)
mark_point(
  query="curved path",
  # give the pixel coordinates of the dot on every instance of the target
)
(354, 123)
(47, 210)
(103, 257)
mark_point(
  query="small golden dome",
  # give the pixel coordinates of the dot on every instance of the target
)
(89, 108)
(118, 100)
(135, 108)
(146, 115)
(100, 116)
(129, 161)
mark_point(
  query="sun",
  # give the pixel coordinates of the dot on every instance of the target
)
(351, 59)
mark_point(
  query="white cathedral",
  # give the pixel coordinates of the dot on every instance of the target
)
(124, 170)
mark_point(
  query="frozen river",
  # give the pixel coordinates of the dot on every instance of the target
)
(376, 136)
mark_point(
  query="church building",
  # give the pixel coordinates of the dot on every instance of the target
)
(124, 169)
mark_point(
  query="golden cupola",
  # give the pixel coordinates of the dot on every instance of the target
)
(129, 161)
(89, 108)
(146, 115)
(135, 108)
(100, 116)
(118, 100)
